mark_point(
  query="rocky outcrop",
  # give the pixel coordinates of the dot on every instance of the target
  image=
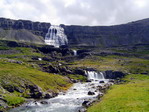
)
(109, 74)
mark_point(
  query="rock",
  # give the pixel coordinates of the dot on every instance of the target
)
(18, 89)
(101, 82)
(35, 91)
(74, 89)
(44, 102)
(48, 95)
(91, 93)
(113, 74)
(79, 71)
(88, 81)
(37, 95)
(83, 110)
(85, 103)
(74, 81)
(9, 88)
(111, 80)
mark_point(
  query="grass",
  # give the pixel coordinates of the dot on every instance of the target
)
(17, 74)
(117, 63)
(77, 77)
(132, 96)
(13, 100)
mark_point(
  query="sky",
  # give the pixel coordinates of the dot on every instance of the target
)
(76, 12)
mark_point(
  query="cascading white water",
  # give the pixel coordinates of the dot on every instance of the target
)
(75, 52)
(56, 36)
(92, 75)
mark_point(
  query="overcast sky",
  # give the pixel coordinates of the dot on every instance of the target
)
(76, 12)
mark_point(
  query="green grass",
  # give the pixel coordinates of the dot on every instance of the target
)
(13, 100)
(22, 53)
(117, 63)
(17, 74)
(132, 96)
(77, 77)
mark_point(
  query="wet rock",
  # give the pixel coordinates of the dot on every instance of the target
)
(88, 81)
(44, 102)
(48, 95)
(37, 95)
(74, 81)
(112, 81)
(86, 103)
(101, 82)
(91, 93)
(83, 110)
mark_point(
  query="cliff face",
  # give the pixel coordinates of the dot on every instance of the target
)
(125, 34)
(23, 30)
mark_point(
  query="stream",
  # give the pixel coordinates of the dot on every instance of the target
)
(70, 101)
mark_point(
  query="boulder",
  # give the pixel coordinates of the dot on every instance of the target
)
(101, 82)
(109, 74)
(79, 71)
(44, 102)
(83, 110)
(91, 93)
(85, 103)
(37, 95)
(48, 95)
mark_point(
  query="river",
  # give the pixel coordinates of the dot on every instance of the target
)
(70, 101)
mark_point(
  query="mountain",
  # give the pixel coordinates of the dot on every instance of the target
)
(125, 34)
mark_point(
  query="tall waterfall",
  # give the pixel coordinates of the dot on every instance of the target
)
(56, 36)
(92, 75)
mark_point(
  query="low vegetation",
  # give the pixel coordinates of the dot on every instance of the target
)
(133, 96)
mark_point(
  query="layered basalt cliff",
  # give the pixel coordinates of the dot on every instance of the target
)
(125, 34)
(106, 36)
(23, 30)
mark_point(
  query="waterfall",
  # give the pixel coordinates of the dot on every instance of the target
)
(75, 52)
(93, 75)
(56, 36)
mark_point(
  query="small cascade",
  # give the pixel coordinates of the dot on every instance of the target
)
(93, 75)
(75, 52)
(56, 36)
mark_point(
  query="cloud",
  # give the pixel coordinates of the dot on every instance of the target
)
(76, 12)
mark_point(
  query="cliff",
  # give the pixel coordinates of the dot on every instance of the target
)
(126, 34)
(23, 30)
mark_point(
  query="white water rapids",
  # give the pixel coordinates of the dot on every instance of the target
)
(70, 101)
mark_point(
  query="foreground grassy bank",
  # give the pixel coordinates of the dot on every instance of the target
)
(133, 96)
(14, 79)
